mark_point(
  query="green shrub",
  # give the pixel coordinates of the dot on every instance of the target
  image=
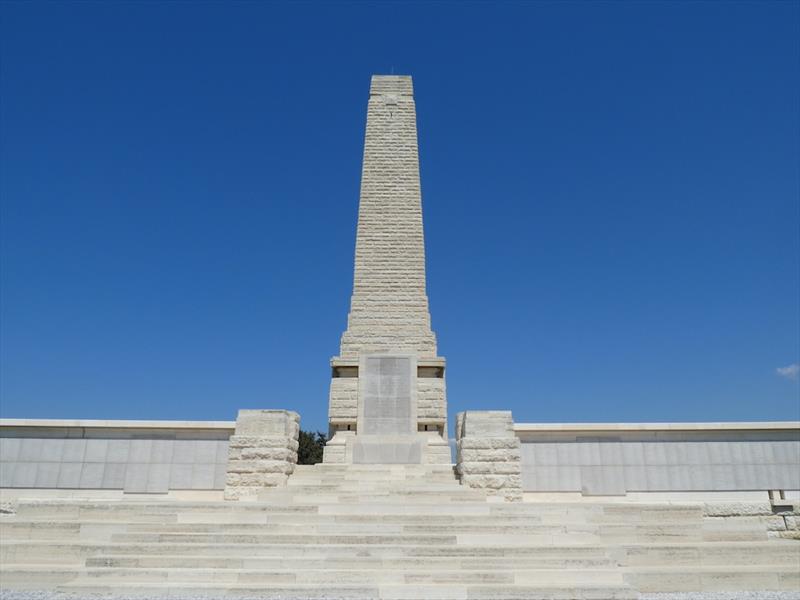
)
(311, 445)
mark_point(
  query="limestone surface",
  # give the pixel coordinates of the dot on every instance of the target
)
(389, 312)
(391, 531)
(262, 451)
(389, 306)
(488, 453)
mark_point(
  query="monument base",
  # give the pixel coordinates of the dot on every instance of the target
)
(346, 447)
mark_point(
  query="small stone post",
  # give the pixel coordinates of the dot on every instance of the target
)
(262, 451)
(488, 453)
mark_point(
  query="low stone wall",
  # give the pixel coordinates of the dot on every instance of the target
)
(262, 451)
(150, 457)
(614, 459)
(130, 456)
(488, 453)
(592, 459)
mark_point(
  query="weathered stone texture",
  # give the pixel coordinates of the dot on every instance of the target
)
(262, 451)
(389, 306)
(343, 401)
(431, 403)
(779, 521)
(332, 453)
(389, 312)
(488, 453)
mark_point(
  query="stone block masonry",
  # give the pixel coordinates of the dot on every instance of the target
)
(134, 457)
(488, 453)
(262, 452)
(601, 459)
(389, 313)
(389, 306)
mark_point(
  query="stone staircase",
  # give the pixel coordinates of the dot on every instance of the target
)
(399, 531)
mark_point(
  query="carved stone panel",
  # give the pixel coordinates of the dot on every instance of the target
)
(387, 395)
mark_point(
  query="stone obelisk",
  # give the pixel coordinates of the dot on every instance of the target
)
(387, 397)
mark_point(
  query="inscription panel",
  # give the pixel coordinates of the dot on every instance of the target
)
(663, 462)
(387, 395)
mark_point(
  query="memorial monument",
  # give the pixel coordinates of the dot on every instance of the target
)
(557, 511)
(387, 396)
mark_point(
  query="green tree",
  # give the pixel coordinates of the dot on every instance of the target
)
(311, 445)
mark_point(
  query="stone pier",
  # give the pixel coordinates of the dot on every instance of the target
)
(262, 452)
(488, 453)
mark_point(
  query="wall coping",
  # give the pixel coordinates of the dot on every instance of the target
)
(114, 424)
(518, 427)
(720, 426)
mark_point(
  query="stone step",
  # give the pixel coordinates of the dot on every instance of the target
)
(715, 553)
(444, 472)
(327, 498)
(38, 577)
(396, 576)
(398, 487)
(623, 510)
(412, 523)
(764, 579)
(306, 576)
(47, 528)
(409, 504)
(437, 475)
(349, 563)
(361, 533)
(616, 511)
(325, 515)
(373, 468)
(410, 539)
(298, 519)
(612, 535)
(147, 510)
(773, 553)
(372, 509)
(660, 579)
(656, 556)
(356, 592)
(335, 480)
(420, 490)
(388, 538)
(151, 513)
(276, 539)
(61, 530)
(701, 555)
(713, 578)
(53, 551)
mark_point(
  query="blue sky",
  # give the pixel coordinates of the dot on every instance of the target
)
(610, 195)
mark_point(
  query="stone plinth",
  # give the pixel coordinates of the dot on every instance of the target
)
(488, 453)
(424, 447)
(262, 451)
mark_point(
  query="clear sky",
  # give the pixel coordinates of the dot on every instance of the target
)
(610, 194)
